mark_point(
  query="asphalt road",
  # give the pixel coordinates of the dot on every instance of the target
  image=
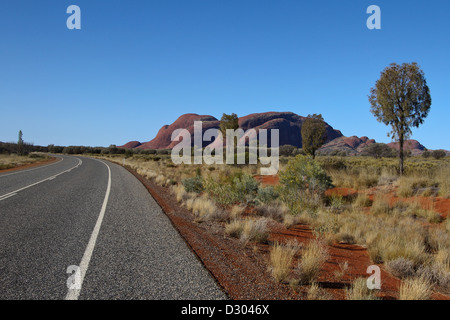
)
(87, 229)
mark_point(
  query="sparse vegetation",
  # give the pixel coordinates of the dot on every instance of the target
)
(13, 161)
(415, 289)
(359, 291)
(281, 259)
(409, 238)
(313, 257)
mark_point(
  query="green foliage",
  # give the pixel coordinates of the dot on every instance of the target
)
(302, 173)
(228, 121)
(401, 99)
(245, 184)
(313, 134)
(194, 184)
(267, 195)
(20, 144)
(287, 150)
(227, 192)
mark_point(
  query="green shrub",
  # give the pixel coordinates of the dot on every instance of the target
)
(267, 195)
(303, 173)
(194, 184)
(242, 188)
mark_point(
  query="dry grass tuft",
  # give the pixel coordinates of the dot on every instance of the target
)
(248, 230)
(317, 293)
(313, 257)
(359, 291)
(281, 257)
(415, 289)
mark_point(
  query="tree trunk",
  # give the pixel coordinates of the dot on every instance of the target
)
(401, 154)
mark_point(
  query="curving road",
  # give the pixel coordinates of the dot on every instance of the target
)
(83, 228)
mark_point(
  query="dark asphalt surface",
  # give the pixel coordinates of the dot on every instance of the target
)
(46, 225)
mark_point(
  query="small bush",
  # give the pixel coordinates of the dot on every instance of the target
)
(438, 154)
(194, 184)
(273, 211)
(436, 274)
(241, 189)
(302, 173)
(401, 267)
(266, 195)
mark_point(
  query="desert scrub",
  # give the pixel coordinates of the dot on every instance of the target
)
(266, 195)
(248, 230)
(290, 220)
(313, 256)
(415, 289)
(179, 192)
(234, 228)
(381, 204)
(437, 276)
(409, 185)
(303, 173)
(236, 211)
(12, 161)
(326, 225)
(281, 259)
(362, 201)
(359, 291)
(205, 209)
(194, 184)
(401, 267)
(274, 211)
(241, 189)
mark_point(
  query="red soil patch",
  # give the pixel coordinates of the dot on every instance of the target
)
(437, 204)
(30, 165)
(356, 256)
(268, 180)
(358, 261)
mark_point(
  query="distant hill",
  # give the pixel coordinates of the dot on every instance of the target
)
(289, 125)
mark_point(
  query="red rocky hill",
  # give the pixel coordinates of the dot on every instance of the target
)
(289, 125)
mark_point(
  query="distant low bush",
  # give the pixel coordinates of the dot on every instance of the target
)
(438, 154)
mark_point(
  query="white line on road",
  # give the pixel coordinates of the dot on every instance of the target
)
(21, 171)
(73, 294)
(7, 196)
(46, 179)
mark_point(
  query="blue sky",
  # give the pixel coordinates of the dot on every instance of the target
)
(137, 65)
